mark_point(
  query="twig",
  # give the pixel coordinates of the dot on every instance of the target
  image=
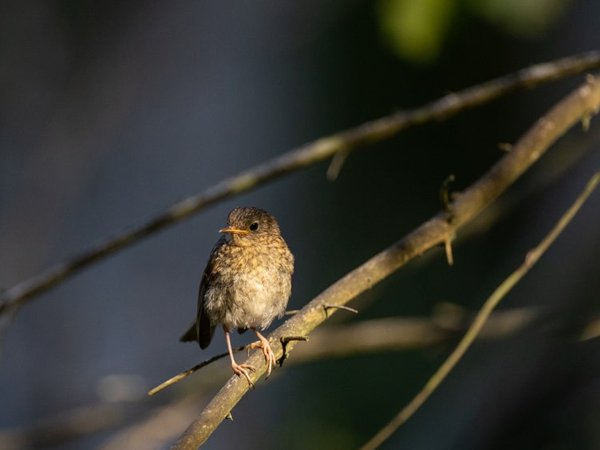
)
(583, 101)
(404, 333)
(446, 205)
(284, 346)
(339, 143)
(501, 291)
(186, 373)
(181, 375)
(326, 308)
(335, 166)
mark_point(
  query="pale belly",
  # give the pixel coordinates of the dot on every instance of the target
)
(248, 300)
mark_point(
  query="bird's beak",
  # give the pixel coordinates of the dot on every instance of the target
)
(233, 230)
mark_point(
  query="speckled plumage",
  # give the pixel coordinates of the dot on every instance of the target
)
(247, 280)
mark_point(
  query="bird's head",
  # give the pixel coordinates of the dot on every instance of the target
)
(248, 225)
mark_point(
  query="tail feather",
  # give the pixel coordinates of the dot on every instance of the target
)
(190, 335)
(206, 333)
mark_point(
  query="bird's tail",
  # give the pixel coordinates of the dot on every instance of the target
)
(191, 334)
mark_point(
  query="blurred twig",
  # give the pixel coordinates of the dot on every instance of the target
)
(580, 104)
(68, 426)
(340, 143)
(404, 333)
(493, 300)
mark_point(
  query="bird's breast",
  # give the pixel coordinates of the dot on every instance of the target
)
(250, 292)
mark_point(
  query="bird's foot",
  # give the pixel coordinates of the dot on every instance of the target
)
(264, 345)
(242, 369)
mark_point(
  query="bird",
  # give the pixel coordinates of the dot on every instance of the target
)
(247, 282)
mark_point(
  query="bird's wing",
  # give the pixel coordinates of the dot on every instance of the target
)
(202, 329)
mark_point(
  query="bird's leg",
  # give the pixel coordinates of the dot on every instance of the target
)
(238, 369)
(263, 344)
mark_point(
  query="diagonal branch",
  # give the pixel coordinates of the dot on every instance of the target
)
(481, 318)
(577, 106)
(339, 143)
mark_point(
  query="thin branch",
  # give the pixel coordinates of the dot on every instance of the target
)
(482, 316)
(326, 308)
(584, 101)
(403, 333)
(186, 373)
(339, 143)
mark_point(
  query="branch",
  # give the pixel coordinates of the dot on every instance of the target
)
(484, 313)
(406, 333)
(340, 143)
(580, 104)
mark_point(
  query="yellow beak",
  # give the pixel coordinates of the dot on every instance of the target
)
(233, 230)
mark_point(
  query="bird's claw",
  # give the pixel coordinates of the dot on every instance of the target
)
(242, 369)
(264, 345)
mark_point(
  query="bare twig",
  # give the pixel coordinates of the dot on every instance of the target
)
(342, 307)
(501, 291)
(294, 160)
(186, 373)
(584, 101)
(404, 333)
(335, 166)
(284, 344)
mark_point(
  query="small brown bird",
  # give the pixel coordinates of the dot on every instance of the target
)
(247, 282)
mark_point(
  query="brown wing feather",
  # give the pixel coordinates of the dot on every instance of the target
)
(202, 329)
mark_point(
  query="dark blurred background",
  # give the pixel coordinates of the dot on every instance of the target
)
(111, 111)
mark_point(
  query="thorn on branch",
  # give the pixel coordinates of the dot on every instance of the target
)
(336, 164)
(505, 146)
(284, 343)
(448, 249)
(327, 307)
(585, 122)
(445, 198)
(445, 193)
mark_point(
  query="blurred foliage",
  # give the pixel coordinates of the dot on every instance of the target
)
(417, 30)
(520, 18)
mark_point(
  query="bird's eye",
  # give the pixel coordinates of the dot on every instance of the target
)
(254, 226)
